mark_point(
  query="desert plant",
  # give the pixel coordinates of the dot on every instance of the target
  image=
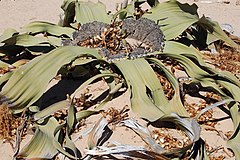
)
(129, 51)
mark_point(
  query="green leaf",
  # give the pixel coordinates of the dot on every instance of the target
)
(90, 80)
(211, 85)
(53, 29)
(235, 93)
(84, 114)
(173, 17)
(225, 79)
(215, 32)
(25, 40)
(233, 143)
(193, 54)
(71, 148)
(7, 34)
(228, 76)
(128, 11)
(88, 12)
(192, 69)
(71, 122)
(71, 118)
(41, 144)
(112, 90)
(140, 100)
(175, 104)
(102, 75)
(28, 83)
(5, 77)
(68, 7)
(58, 145)
(181, 49)
(151, 81)
(28, 40)
(50, 110)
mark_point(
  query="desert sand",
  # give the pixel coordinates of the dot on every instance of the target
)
(16, 13)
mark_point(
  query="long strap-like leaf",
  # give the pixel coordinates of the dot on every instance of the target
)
(28, 83)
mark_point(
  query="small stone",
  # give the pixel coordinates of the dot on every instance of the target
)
(238, 2)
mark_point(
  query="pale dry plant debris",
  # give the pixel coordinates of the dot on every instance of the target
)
(170, 138)
(8, 123)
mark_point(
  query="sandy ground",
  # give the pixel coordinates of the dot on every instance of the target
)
(17, 13)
